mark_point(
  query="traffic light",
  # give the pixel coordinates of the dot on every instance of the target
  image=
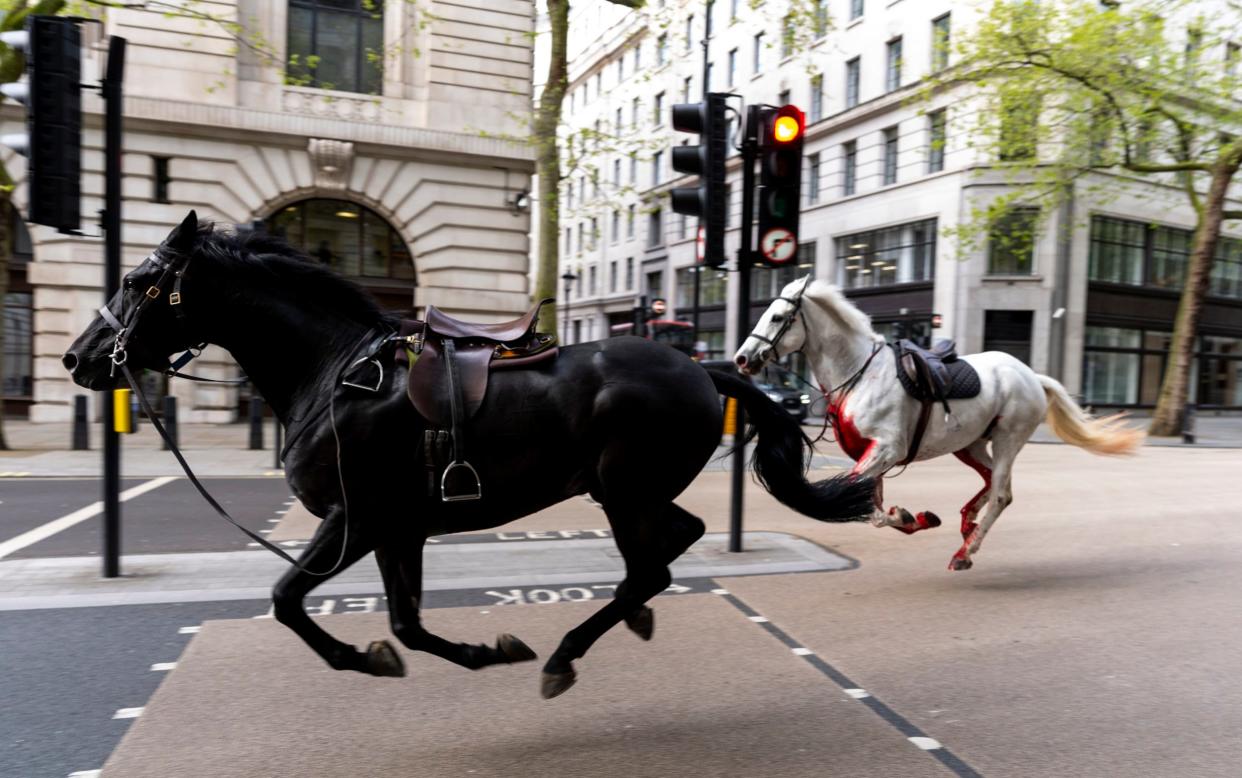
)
(53, 141)
(780, 184)
(707, 160)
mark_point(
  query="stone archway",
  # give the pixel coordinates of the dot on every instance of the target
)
(354, 240)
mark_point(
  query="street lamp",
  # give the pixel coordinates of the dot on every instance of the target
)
(569, 279)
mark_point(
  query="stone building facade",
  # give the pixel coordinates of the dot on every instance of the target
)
(386, 148)
(1090, 302)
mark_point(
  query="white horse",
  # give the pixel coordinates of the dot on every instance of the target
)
(876, 421)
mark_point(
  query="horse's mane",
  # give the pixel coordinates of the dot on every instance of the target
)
(829, 297)
(260, 259)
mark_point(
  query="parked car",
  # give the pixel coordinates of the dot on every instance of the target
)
(793, 399)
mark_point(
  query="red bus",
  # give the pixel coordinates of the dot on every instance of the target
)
(670, 332)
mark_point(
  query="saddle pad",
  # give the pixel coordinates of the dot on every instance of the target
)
(963, 381)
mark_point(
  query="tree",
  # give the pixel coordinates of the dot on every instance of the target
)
(1069, 95)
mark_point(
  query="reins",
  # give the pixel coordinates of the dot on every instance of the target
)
(120, 358)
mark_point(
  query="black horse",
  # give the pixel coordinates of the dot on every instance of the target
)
(628, 421)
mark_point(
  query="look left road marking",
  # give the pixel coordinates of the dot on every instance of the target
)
(45, 531)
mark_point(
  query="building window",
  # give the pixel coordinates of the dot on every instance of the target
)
(732, 71)
(819, 9)
(1019, 126)
(852, 75)
(812, 179)
(1124, 367)
(1118, 251)
(629, 272)
(689, 34)
(893, 255)
(337, 44)
(767, 283)
(936, 137)
(1142, 254)
(1113, 365)
(1008, 331)
(629, 222)
(661, 49)
(817, 98)
(612, 277)
(1232, 51)
(892, 73)
(787, 36)
(159, 180)
(633, 169)
(856, 8)
(657, 112)
(941, 44)
(682, 224)
(569, 240)
(657, 167)
(713, 289)
(581, 238)
(757, 55)
(351, 239)
(655, 228)
(655, 284)
(1011, 242)
(636, 107)
(616, 225)
(890, 156)
(849, 167)
(616, 172)
(782, 98)
(685, 89)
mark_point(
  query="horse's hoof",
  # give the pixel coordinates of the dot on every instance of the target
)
(556, 684)
(927, 520)
(908, 524)
(382, 660)
(513, 649)
(642, 623)
(960, 563)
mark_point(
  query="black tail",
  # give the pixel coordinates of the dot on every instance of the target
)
(780, 459)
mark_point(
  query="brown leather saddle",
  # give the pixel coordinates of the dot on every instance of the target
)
(450, 362)
(932, 376)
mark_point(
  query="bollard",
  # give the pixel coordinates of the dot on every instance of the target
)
(1188, 424)
(122, 411)
(276, 442)
(170, 422)
(81, 426)
(256, 423)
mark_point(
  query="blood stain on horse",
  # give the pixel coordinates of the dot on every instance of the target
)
(849, 438)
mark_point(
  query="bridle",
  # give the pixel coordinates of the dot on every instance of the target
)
(796, 302)
(120, 357)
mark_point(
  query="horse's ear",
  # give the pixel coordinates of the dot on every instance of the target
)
(182, 236)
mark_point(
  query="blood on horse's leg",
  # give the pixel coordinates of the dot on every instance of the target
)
(873, 464)
(977, 458)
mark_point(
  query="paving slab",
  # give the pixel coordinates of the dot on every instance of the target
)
(712, 695)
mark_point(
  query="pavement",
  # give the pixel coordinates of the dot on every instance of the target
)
(1097, 635)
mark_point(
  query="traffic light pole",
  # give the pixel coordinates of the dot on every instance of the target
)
(112, 96)
(745, 261)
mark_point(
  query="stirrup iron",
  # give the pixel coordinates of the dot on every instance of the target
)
(477, 494)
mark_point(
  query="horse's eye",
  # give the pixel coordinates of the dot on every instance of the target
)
(778, 319)
(129, 283)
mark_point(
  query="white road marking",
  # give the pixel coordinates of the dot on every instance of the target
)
(45, 531)
(926, 743)
(254, 545)
(758, 619)
(189, 630)
(858, 694)
(127, 713)
(264, 532)
(720, 591)
(163, 666)
(86, 774)
(800, 651)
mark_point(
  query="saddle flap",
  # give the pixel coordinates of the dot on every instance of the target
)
(429, 387)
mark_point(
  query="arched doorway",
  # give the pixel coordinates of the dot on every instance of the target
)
(17, 383)
(353, 240)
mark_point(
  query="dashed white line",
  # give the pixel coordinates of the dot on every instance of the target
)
(758, 619)
(720, 591)
(190, 630)
(85, 774)
(127, 713)
(858, 694)
(926, 743)
(163, 666)
(800, 651)
(49, 529)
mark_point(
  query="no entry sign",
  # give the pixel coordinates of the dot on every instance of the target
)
(778, 245)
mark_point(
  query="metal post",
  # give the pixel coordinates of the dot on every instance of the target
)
(170, 422)
(745, 258)
(112, 95)
(81, 424)
(256, 423)
(277, 443)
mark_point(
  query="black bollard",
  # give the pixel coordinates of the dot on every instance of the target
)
(256, 423)
(277, 442)
(1188, 423)
(170, 421)
(81, 426)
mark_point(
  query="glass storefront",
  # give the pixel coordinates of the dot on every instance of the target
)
(351, 239)
(1124, 366)
(893, 255)
(1140, 254)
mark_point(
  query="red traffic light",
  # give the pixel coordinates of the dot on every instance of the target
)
(787, 124)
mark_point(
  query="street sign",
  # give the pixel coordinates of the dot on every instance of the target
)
(700, 244)
(778, 245)
(658, 306)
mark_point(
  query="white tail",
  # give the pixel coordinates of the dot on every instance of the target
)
(1099, 435)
